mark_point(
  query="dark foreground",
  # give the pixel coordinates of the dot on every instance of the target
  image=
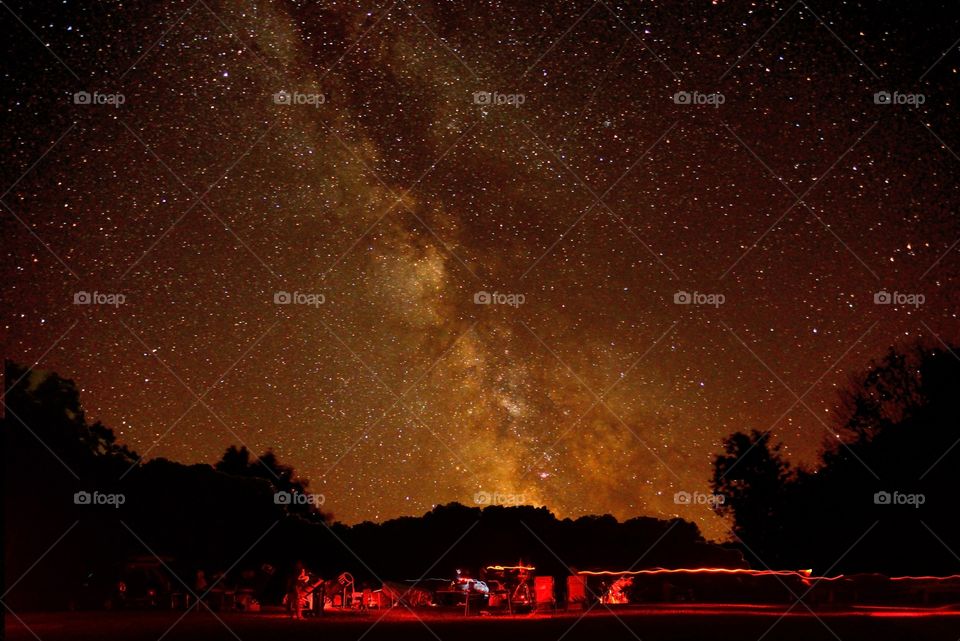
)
(713, 623)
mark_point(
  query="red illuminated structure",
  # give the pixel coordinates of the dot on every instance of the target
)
(510, 586)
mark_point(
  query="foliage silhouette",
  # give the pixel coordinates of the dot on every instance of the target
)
(224, 518)
(897, 432)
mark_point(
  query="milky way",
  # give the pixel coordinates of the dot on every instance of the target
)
(487, 217)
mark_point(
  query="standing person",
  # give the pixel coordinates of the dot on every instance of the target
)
(297, 590)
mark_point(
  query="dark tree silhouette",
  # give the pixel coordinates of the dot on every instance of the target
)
(212, 518)
(237, 461)
(753, 478)
(882, 497)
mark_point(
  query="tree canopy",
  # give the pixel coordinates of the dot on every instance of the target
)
(881, 497)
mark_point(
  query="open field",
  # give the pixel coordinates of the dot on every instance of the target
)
(649, 623)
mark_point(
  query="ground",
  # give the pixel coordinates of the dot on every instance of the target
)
(716, 623)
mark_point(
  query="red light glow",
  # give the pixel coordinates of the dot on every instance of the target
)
(805, 575)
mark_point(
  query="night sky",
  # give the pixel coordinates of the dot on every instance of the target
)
(583, 193)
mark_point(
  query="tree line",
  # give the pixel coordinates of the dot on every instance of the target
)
(882, 495)
(879, 498)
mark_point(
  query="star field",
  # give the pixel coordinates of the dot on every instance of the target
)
(399, 187)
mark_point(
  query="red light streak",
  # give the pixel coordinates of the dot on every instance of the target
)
(805, 575)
